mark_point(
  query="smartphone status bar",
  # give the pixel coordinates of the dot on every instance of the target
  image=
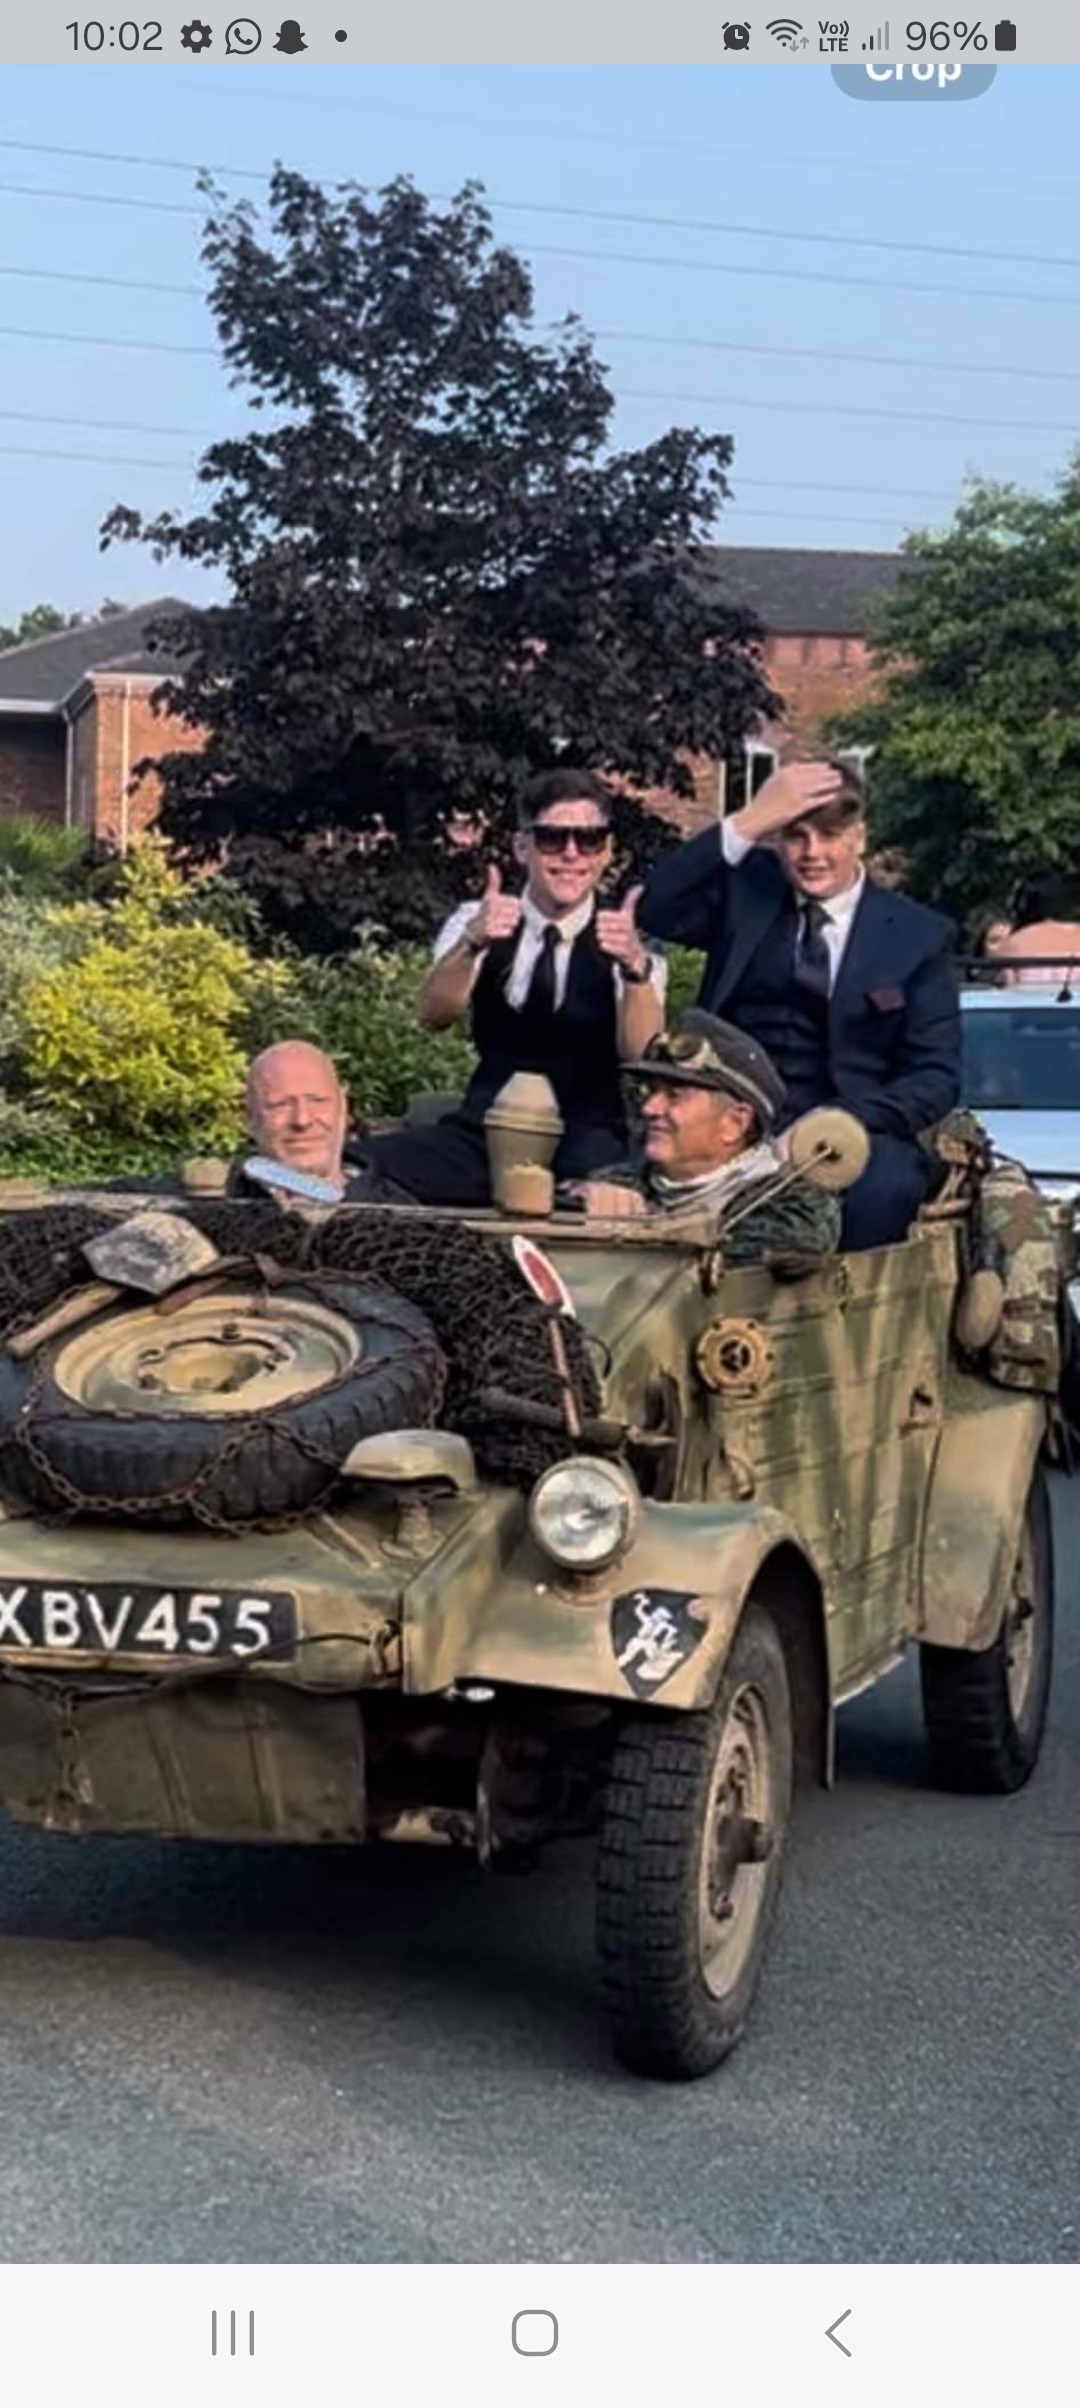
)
(869, 40)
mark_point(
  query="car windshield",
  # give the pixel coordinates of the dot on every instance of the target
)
(1023, 1061)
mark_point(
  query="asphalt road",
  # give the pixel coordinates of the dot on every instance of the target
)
(238, 2057)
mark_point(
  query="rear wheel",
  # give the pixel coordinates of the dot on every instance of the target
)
(986, 1712)
(689, 1863)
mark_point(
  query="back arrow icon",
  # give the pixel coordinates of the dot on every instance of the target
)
(830, 2332)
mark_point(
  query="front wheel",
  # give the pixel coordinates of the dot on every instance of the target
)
(986, 1712)
(694, 1821)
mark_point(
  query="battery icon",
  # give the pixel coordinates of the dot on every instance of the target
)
(1005, 35)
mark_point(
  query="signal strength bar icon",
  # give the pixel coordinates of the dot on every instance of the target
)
(880, 39)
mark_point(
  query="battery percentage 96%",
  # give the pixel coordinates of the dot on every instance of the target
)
(941, 36)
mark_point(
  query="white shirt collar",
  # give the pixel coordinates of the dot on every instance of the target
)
(568, 929)
(841, 909)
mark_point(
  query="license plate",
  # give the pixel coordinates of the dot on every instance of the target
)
(142, 1620)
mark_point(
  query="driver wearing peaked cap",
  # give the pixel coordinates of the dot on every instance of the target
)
(711, 1098)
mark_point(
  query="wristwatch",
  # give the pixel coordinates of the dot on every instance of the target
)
(638, 978)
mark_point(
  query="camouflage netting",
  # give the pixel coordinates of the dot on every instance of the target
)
(493, 1331)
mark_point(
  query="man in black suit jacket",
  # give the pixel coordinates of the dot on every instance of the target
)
(849, 986)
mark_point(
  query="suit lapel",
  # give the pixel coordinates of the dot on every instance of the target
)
(759, 906)
(865, 961)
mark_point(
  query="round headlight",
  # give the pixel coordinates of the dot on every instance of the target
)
(582, 1513)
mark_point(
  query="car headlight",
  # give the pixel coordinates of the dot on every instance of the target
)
(583, 1513)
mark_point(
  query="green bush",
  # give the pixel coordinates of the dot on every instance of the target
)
(361, 1008)
(684, 979)
(140, 1038)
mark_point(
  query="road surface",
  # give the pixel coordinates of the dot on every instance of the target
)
(243, 2057)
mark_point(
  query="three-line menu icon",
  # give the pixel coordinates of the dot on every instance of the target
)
(232, 2334)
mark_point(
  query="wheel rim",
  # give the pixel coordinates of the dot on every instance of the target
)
(1021, 1628)
(738, 1841)
(222, 1354)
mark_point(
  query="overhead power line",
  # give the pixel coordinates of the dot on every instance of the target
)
(741, 228)
(126, 426)
(725, 401)
(849, 409)
(693, 343)
(29, 451)
(689, 343)
(108, 342)
(638, 258)
(843, 359)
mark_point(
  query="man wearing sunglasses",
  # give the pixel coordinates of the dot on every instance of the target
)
(849, 986)
(549, 983)
(710, 1101)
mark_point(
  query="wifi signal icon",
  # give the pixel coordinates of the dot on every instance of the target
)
(786, 31)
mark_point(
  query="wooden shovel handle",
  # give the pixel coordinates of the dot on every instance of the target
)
(75, 1308)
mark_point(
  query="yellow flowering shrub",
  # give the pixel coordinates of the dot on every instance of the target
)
(141, 1038)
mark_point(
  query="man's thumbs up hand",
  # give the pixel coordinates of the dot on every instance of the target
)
(618, 936)
(497, 915)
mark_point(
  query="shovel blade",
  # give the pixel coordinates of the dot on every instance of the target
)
(152, 1252)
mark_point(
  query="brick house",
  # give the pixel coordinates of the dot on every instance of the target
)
(75, 717)
(75, 711)
(816, 608)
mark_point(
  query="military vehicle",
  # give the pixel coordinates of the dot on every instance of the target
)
(386, 1526)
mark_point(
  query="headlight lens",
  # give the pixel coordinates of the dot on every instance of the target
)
(583, 1513)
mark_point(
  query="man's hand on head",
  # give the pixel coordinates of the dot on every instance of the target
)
(496, 916)
(618, 935)
(800, 787)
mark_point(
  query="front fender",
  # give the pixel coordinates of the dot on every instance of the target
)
(978, 1491)
(656, 1627)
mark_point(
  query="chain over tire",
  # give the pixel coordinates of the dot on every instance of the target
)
(986, 1712)
(695, 1816)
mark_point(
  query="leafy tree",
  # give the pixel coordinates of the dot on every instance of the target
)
(976, 728)
(443, 578)
(43, 619)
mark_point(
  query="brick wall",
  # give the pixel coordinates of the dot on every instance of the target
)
(98, 784)
(32, 756)
(819, 676)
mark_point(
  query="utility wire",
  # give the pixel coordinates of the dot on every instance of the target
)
(842, 359)
(849, 409)
(124, 426)
(621, 217)
(723, 401)
(760, 273)
(605, 334)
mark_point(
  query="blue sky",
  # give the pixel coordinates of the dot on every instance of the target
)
(777, 148)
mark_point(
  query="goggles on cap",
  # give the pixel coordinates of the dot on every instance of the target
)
(690, 1052)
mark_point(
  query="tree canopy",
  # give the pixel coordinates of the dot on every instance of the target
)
(441, 576)
(976, 728)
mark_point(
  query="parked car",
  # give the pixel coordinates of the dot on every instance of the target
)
(1021, 1075)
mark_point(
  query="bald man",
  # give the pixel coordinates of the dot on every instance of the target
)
(296, 1113)
(296, 1110)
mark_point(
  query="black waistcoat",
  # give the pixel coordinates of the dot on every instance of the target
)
(575, 1047)
(792, 1025)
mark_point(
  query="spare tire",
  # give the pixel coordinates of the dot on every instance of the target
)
(235, 1408)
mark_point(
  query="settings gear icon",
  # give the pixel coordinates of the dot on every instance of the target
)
(196, 36)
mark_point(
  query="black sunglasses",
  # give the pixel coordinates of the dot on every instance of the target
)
(553, 838)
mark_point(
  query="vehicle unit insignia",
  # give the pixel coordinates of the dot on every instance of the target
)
(653, 1632)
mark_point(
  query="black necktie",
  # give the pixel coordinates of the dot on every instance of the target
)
(542, 994)
(812, 964)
